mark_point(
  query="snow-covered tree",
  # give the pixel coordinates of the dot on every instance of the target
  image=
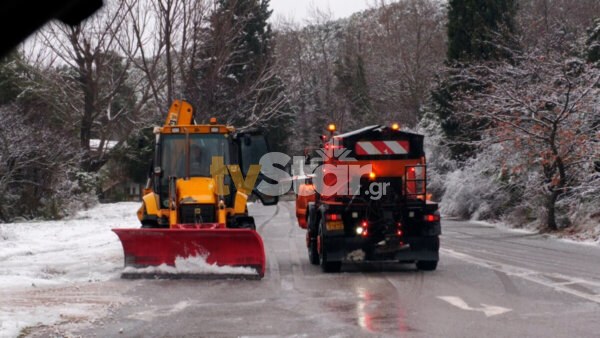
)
(542, 108)
(593, 42)
(478, 30)
(306, 59)
(377, 66)
(164, 41)
(404, 46)
(88, 82)
(237, 78)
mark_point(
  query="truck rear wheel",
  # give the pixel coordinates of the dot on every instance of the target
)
(427, 265)
(326, 265)
(313, 251)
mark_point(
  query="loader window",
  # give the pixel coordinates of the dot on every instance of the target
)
(202, 148)
(254, 147)
(173, 156)
(176, 154)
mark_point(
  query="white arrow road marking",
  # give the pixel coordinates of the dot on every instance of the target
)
(488, 310)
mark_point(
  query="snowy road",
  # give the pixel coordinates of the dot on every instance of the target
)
(490, 282)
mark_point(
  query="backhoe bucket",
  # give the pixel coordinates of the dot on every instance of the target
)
(222, 248)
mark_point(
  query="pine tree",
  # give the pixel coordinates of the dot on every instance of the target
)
(238, 82)
(239, 50)
(352, 84)
(480, 29)
(593, 42)
(9, 81)
(252, 44)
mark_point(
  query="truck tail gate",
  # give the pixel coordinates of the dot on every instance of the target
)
(382, 147)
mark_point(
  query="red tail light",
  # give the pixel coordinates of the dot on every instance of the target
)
(432, 218)
(329, 179)
(333, 217)
(365, 228)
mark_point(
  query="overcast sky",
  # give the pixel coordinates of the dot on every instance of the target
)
(299, 10)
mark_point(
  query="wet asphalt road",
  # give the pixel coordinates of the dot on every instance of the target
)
(490, 282)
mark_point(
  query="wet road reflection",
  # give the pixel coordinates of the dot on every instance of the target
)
(377, 313)
(372, 309)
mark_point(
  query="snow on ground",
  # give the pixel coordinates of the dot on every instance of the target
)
(48, 270)
(68, 271)
(80, 249)
(589, 237)
(503, 226)
(586, 235)
(589, 242)
(192, 265)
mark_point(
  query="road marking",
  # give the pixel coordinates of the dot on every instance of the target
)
(260, 227)
(531, 275)
(488, 310)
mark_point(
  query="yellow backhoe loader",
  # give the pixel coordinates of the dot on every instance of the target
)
(195, 203)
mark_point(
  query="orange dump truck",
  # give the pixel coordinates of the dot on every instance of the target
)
(367, 201)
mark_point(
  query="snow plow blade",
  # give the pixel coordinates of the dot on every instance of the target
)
(221, 247)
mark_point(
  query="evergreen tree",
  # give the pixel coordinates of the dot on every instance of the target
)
(9, 80)
(252, 43)
(593, 42)
(135, 156)
(238, 82)
(478, 31)
(476, 28)
(352, 84)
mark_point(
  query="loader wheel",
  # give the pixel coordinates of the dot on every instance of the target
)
(313, 251)
(250, 226)
(150, 225)
(241, 222)
(326, 265)
(427, 265)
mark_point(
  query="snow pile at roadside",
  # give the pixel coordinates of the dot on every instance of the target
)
(574, 235)
(192, 265)
(80, 249)
(14, 319)
(48, 269)
(587, 235)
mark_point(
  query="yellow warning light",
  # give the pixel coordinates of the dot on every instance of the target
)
(331, 127)
(372, 176)
(213, 120)
(395, 126)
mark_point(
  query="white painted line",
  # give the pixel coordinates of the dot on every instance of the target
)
(488, 310)
(529, 275)
(491, 310)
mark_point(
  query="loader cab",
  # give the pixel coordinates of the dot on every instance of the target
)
(186, 155)
(190, 155)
